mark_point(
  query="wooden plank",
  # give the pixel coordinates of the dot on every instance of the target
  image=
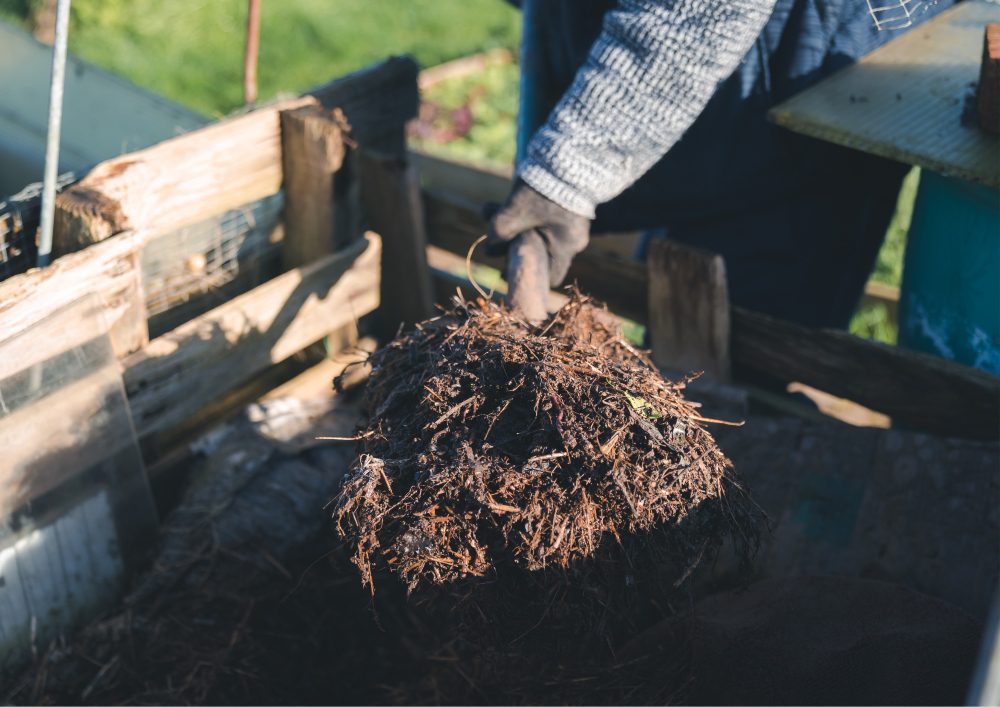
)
(165, 449)
(177, 182)
(915, 390)
(905, 100)
(378, 101)
(53, 439)
(179, 373)
(109, 270)
(391, 199)
(688, 310)
(313, 149)
(473, 182)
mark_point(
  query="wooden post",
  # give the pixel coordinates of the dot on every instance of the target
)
(312, 143)
(688, 310)
(393, 208)
(989, 81)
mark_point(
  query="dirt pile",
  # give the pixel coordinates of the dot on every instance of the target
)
(491, 444)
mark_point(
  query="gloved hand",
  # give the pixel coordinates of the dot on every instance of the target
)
(565, 233)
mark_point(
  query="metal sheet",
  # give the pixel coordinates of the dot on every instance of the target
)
(104, 115)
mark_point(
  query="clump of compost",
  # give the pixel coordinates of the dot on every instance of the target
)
(492, 446)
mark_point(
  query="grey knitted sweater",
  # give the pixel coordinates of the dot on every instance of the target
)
(649, 75)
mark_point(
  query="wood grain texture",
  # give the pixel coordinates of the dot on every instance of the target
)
(313, 149)
(905, 100)
(688, 323)
(109, 270)
(179, 373)
(391, 199)
(915, 390)
(177, 182)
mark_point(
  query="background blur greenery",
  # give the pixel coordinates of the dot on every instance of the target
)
(191, 51)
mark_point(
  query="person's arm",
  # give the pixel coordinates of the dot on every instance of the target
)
(649, 75)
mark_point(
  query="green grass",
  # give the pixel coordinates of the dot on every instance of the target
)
(872, 320)
(192, 50)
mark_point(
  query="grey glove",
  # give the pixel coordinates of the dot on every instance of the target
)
(565, 233)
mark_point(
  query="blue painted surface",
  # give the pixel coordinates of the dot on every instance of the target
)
(950, 296)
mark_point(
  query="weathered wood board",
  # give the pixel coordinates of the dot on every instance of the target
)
(313, 151)
(180, 372)
(109, 270)
(905, 100)
(688, 310)
(74, 500)
(177, 182)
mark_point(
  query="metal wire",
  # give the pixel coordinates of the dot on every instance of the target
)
(896, 14)
(204, 261)
(55, 124)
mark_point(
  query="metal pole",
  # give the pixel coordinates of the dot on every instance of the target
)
(250, 56)
(55, 124)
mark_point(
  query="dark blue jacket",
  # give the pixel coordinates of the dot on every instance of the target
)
(799, 221)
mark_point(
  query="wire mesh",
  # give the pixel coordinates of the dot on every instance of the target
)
(190, 270)
(896, 14)
(19, 218)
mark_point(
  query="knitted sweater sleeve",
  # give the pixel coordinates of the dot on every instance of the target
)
(649, 75)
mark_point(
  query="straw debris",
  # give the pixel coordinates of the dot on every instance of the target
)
(490, 444)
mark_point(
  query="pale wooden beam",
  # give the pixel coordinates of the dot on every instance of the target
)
(109, 270)
(176, 182)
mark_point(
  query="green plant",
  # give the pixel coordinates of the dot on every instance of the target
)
(192, 50)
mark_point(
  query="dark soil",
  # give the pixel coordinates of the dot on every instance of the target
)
(491, 444)
(525, 501)
(542, 492)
